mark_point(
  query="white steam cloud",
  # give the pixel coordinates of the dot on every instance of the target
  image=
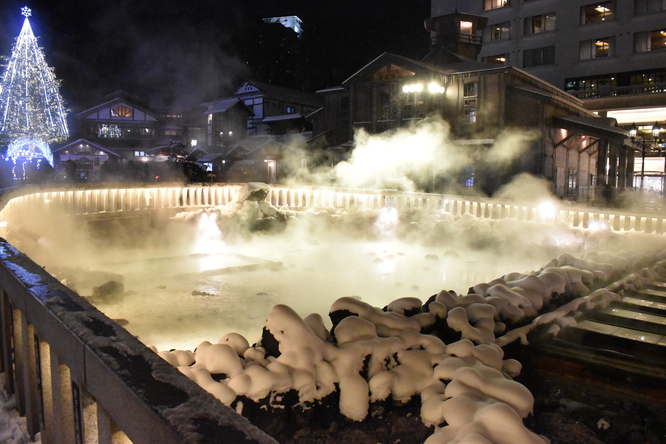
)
(419, 157)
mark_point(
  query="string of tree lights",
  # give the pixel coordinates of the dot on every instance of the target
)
(32, 111)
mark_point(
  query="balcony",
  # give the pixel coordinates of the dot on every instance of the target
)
(616, 91)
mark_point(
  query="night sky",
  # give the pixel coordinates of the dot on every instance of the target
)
(176, 53)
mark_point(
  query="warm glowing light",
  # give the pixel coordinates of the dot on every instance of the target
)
(465, 27)
(434, 88)
(386, 267)
(387, 221)
(414, 87)
(208, 237)
(596, 225)
(547, 209)
(627, 116)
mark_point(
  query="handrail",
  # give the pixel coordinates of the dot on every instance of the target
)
(79, 377)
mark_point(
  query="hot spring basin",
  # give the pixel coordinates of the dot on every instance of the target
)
(178, 302)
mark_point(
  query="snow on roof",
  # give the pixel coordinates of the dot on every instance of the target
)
(224, 105)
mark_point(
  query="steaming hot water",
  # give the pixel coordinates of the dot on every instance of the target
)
(178, 301)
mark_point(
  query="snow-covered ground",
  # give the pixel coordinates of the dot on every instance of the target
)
(13, 428)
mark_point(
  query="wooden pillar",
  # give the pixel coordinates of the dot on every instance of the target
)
(622, 169)
(612, 165)
(630, 167)
(602, 155)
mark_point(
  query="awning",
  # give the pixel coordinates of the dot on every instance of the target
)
(281, 118)
(597, 127)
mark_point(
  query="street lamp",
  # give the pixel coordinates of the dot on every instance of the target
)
(644, 143)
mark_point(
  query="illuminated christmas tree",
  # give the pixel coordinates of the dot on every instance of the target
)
(32, 112)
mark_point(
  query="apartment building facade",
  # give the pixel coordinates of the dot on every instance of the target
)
(611, 54)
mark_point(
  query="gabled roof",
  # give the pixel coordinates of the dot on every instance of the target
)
(439, 61)
(119, 100)
(87, 142)
(287, 94)
(209, 157)
(224, 105)
(394, 59)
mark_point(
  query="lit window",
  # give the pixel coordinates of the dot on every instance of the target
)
(540, 23)
(650, 40)
(539, 56)
(291, 110)
(496, 32)
(591, 49)
(596, 12)
(494, 4)
(499, 59)
(109, 131)
(139, 153)
(122, 111)
(465, 27)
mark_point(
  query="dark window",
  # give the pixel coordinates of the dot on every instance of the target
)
(540, 23)
(650, 40)
(539, 56)
(471, 89)
(649, 6)
(596, 12)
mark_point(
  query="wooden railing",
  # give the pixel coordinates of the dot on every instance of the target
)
(115, 201)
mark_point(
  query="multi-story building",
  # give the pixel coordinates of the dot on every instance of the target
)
(609, 53)
(276, 110)
(122, 129)
(577, 151)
